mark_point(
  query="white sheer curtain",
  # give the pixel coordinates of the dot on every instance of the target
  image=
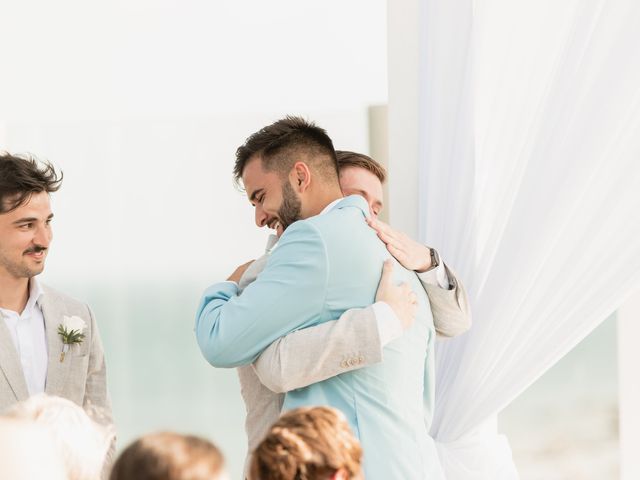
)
(530, 187)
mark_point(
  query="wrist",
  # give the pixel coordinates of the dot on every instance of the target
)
(428, 261)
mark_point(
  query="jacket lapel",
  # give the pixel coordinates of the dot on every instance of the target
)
(57, 371)
(10, 364)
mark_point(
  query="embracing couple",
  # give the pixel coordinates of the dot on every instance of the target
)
(341, 311)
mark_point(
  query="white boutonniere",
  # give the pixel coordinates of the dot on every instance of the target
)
(70, 330)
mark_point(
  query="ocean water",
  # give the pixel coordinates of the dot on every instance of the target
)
(157, 378)
(563, 427)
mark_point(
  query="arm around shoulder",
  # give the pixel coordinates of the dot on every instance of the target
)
(317, 353)
(288, 295)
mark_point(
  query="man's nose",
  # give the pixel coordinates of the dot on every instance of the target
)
(261, 216)
(43, 236)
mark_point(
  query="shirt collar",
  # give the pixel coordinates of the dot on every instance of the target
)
(329, 207)
(272, 242)
(35, 293)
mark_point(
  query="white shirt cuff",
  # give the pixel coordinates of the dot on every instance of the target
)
(438, 276)
(389, 325)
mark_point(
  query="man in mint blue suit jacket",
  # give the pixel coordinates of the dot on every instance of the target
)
(327, 261)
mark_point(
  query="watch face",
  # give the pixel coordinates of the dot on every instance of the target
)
(435, 258)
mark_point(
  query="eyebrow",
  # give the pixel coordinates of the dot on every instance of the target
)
(253, 196)
(30, 219)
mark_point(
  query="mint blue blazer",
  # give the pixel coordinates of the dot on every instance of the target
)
(323, 266)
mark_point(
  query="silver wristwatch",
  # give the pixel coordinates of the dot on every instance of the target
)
(435, 259)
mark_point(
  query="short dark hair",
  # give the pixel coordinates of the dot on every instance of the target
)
(281, 144)
(168, 456)
(360, 160)
(23, 175)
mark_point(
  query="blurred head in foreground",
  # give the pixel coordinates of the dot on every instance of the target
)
(169, 456)
(81, 443)
(308, 444)
(19, 442)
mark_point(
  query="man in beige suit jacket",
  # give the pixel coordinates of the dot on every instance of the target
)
(33, 356)
(358, 337)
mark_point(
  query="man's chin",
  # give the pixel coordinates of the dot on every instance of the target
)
(33, 270)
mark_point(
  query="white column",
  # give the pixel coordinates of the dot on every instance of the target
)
(379, 147)
(403, 72)
(629, 381)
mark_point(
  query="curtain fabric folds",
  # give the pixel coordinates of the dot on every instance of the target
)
(530, 188)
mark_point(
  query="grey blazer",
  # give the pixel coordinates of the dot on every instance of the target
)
(81, 378)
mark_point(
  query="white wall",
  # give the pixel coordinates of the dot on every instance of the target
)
(403, 114)
(87, 59)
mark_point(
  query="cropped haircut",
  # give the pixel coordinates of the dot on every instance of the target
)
(360, 160)
(168, 456)
(309, 443)
(21, 177)
(285, 142)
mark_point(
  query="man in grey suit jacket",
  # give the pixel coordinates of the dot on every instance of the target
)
(35, 356)
(358, 337)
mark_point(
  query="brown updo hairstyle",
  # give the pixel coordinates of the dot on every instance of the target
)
(310, 443)
(169, 456)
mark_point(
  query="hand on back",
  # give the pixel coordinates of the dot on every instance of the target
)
(237, 274)
(411, 254)
(401, 298)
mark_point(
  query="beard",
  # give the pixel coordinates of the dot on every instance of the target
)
(289, 211)
(19, 269)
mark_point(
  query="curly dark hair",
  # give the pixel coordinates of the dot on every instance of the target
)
(23, 175)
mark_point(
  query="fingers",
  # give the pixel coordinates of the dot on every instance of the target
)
(379, 225)
(413, 298)
(408, 293)
(387, 273)
(398, 254)
(386, 238)
(386, 285)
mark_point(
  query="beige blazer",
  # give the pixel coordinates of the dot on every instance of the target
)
(81, 377)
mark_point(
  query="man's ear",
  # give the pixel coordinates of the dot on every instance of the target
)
(300, 177)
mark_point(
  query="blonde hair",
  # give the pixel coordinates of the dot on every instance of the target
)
(28, 452)
(82, 443)
(169, 456)
(308, 443)
(360, 160)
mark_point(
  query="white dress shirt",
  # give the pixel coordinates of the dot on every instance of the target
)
(28, 334)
